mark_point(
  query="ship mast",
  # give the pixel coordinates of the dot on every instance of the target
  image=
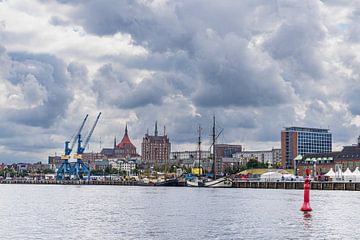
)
(199, 149)
(165, 169)
(214, 152)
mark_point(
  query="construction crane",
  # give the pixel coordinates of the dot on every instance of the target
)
(80, 169)
(64, 171)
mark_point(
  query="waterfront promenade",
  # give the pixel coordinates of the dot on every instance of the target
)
(345, 186)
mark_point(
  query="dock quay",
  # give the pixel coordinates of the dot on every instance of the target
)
(344, 186)
(80, 182)
(70, 182)
(347, 186)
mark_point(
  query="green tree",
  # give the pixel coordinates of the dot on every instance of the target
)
(252, 163)
(48, 171)
(135, 171)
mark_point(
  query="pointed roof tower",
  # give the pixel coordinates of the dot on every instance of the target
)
(125, 140)
(156, 130)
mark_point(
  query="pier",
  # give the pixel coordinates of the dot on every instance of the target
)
(347, 186)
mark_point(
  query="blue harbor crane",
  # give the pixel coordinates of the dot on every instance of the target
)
(64, 170)
(80, 169)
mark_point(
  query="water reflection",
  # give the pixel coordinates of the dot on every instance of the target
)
(307, 220)
(307, 216)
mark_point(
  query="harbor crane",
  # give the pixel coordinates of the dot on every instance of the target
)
(80, 169)
(64, 170)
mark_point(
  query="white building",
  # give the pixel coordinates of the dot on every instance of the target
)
(186, 155)
(124, 165)
(271, 156)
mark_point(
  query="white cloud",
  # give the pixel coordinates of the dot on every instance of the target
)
(28, 28)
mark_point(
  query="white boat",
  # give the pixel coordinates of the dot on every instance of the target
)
(195, 182)
(223, 182)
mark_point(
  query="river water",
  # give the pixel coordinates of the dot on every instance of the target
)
(121, 212)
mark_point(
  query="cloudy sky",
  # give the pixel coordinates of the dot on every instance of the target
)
(258, 65)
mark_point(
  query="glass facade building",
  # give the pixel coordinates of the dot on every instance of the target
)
(300, 140)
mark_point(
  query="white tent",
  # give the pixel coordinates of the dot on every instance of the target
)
(270, 177)
(331, 174)
(356, 174)
(339, 173)
(348, 175)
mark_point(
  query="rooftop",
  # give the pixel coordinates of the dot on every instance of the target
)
(125, 140)
(306, 129)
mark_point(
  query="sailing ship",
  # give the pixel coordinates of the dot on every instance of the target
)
(223, 182)
(200, 181)
(172, 182)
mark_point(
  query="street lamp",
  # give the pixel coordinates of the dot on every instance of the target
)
(296, 163)
(119, 170)
(314, 162)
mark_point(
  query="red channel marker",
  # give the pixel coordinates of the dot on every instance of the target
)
(306, 205)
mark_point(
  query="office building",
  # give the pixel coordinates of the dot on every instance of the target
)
(300, 140)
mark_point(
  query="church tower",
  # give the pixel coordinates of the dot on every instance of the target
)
(125, 149)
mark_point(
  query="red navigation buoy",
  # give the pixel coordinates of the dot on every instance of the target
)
(306, 205)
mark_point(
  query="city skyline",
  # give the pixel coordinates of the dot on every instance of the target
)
(257, 67)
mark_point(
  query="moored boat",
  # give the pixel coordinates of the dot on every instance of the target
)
(168, 183)
(199, 181)
(195, 182)
(223, 182)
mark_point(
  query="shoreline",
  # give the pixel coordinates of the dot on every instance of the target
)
(331, 186)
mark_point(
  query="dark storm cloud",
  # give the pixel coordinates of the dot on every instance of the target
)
(50, 74)
(173, 25)
(159, 32)
(115, 87)
(237, 76)
(211, 55)
(297, 44)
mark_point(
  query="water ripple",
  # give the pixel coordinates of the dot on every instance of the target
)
(121, 212)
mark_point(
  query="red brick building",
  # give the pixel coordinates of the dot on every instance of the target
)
(224, 151)
(321, 163)
(125, 149)
(155, 150)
